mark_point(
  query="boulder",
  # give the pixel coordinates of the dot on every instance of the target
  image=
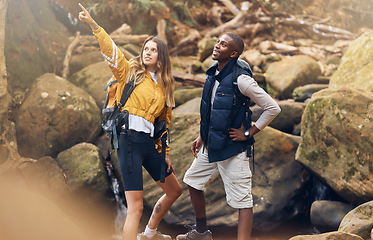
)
(355, 69)
(80, 61)
(55, 116)
(207, 63)
(9, 157)
(205, 47)
(45, 176)
(191, 106)
(85, 171)
(36, 44)
(328, 236)
(277, 178)
(285, 75)
(186, 94)
(328, 214)
(359, 221)
(253, 57)
(93, 80)
(337, 142)
(300, 94)
(289, 117)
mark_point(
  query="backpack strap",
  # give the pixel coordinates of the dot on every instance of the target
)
(109, 84)
(126, 93)
(107, 95)
(128, 89)
(163, 141)
(242, 67)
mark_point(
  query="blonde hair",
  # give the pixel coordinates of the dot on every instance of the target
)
(163, 70)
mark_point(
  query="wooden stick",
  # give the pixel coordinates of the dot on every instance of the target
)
(66, 61)
(231, 7)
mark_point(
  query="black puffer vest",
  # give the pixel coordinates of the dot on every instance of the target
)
(230, 109)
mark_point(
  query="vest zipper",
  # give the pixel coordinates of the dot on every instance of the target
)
(210, 109)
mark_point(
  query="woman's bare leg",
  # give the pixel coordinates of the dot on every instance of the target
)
(172, 190)
(134, 212)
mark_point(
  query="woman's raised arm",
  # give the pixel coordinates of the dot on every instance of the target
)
(84, 16)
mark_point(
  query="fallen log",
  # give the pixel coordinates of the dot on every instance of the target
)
(320, 29)
(237, 21)
(231, 7)
(188, 79)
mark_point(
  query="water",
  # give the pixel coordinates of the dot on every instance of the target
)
(121, 213)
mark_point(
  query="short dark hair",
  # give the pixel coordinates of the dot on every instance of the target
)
(238, 41)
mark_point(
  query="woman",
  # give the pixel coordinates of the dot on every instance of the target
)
(154, 88)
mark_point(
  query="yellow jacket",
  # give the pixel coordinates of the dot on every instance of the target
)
(148, 98)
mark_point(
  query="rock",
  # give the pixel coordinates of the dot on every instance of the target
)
(328, 214)
(328, 236)
(134, 49)
(289, 117)
(55, 116)
(78, 62)
(337, 142)
(45, 176)
(277, 178)
(186, 94)
(33, 47)
(303, 92)
(207, 63)
(192, 106)
(359, 221)
(93, 79)
(285, 75)
(205, 47)
(9, 157)
(355, 69)
(253, 57)
(84, 167)
(104, 144)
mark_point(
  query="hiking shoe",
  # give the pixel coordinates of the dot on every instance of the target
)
(194, 235)
(157, 236)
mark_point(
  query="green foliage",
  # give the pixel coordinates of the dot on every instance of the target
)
(182, 13)
(103, 7)
(147, 5)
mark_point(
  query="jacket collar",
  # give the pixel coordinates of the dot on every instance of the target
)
(227, 69)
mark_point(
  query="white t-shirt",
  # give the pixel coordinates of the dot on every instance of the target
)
(140, 124)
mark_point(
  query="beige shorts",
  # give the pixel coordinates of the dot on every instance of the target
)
(235, 173)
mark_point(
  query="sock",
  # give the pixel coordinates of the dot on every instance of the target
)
(149, 233)
(201, 225)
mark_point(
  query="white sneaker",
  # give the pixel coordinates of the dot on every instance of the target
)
(157, 236)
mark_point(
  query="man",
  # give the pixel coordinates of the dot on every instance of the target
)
(226, 135)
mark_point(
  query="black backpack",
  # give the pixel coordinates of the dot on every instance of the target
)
(112, 118)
